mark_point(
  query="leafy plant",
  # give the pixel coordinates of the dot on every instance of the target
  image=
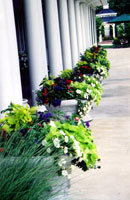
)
(15, 117)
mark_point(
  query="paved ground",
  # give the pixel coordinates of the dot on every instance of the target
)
(111, 129)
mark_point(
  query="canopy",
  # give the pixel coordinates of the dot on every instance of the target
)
(121, 19)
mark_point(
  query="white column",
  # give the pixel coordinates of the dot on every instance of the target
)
(73, 32)
(53, 37)
(36, 43)
(114, 31)
(86, 25)
(79, 27)
(90, 28)
(95, 29)
(83, 26)
(10, 83)
(65, 35)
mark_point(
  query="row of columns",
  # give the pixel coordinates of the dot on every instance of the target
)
(70, 29)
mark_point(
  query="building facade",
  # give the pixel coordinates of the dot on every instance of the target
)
(39, 38)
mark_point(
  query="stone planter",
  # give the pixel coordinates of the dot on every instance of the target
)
(68, 107)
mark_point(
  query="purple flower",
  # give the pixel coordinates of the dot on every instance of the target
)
(37, 99)
(90, 74)
(45, 116)
(87, 124)
(58, 88)
(41, 102)
(37, 141)
(56, 102)
(67, 117)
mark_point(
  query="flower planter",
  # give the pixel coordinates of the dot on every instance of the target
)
(69, 107)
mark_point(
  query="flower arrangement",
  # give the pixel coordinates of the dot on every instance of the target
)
(81, 83)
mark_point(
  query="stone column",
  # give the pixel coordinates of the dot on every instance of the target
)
(36, 43)
(73, 32)
(10, 82)
(79, 27)
(53, 37)
(65, 35)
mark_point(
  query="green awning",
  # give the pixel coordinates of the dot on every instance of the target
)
(121, 19)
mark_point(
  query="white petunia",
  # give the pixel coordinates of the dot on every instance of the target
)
(86, 96)
(66, 150)
(93, 85)
(88, 91)
(63, 161)
(64, 172)
(56, 143)
(66, 139)
(44, 142)
(52, 124)
(48, 150)
(72, 137)
(62, 132)
(78, 91)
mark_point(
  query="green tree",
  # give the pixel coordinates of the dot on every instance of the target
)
(99, 24)
(120, 6)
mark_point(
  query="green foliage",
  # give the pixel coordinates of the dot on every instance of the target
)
(73, 140)
(99, 24)
(103, 31)
(116, 42)
(66, 74)
(15, 117)
(25, 176)
(121, 7)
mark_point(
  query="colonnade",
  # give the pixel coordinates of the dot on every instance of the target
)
(55, 41)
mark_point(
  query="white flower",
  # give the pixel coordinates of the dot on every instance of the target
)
(88, 91)
(48, 150)
(44, 142)
(78, 91)
(63, 161)
(66, 150)
(72, 137)
(60, 163)
(64, 172)
(92, 84)
(84, 108)
(52, 124)
(66, 139)
(86, 96)
(62, 132)
(56, 143)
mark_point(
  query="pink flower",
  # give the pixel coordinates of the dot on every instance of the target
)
(70, 91)
(76, 119)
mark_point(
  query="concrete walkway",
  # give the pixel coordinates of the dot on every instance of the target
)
(111, 129)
